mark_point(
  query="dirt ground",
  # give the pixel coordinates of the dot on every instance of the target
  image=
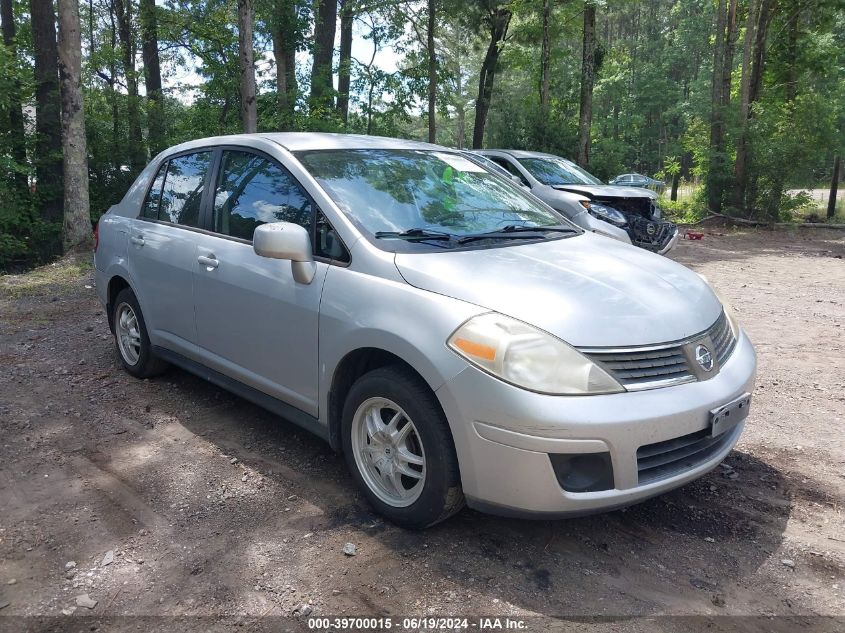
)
(212, 507)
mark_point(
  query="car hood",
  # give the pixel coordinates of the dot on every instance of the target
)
(588, 290)
(608, 191)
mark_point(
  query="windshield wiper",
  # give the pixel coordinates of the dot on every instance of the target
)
(415, 234)
(506, 233)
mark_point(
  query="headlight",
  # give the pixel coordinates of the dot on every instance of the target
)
(726, 306)
(602, 212)
(528, 357)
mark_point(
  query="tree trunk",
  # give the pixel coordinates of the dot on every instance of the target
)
(77, 217)
(676, 180)
(731, 34)
(115, 106)
(747, 47)
(545, 61)
(588, 71)
(137, 154)
(713, 194)
(370, 107)
(325, 25)
(498, 21)
(460, 112)
(281, 71)
(834, 187)
(778, 185)
(432, 72)
(249, 111)
(284, 53)
(152, 76)
(344, 71)
(792, 53)
(723, 47)
(740, 165)
(17, 132)
(755, 90)
(48, 123)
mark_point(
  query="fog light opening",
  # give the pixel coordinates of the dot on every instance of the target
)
(583, 472)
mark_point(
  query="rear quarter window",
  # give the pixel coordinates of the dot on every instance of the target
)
(153, 199)
(181, 196)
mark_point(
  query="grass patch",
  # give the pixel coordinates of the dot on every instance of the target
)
(64, 272)
(818, 213)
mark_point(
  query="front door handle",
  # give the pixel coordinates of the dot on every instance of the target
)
(208, 261)
(138, 240)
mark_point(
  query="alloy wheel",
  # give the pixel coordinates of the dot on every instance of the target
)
(388, 452)
(128, 334)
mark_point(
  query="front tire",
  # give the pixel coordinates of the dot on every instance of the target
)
(131, 339)
(399, 449)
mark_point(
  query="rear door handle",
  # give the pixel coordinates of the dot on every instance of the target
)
(137, 240)
(208, 261)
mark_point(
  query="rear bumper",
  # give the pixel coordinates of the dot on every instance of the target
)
(504, 437)
(101, 285)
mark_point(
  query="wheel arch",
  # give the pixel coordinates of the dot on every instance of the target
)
(352, 366)
(116, 284)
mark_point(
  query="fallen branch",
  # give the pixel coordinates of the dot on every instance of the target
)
(744, 222)
(814, 225)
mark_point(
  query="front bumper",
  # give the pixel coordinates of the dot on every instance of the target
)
(671, 244)
(504, 436)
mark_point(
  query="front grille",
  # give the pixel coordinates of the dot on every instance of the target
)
(723, 338)
(662, 365)
(649, 234)
(641, 369)
(664, 459)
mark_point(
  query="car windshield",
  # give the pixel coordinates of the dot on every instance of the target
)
(420, 195)
(556, 171)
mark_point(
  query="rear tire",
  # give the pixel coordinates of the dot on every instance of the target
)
(131, 339)
(398, 446)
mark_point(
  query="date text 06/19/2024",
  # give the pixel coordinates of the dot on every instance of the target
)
(494, 623)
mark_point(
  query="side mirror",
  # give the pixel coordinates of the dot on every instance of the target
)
(285, 240)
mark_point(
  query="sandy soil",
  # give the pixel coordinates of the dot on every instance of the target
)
(213, 507)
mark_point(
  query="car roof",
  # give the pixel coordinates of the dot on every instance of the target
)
(302, 141)
(521, 153)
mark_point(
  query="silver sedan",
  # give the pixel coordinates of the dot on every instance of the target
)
(458, 340)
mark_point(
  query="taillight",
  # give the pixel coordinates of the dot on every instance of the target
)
(96, 236)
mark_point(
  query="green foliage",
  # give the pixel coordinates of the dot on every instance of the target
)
(651, 101)
(22, 233)
(688, 211)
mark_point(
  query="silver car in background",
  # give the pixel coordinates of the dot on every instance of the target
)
(455, 338)
(627, 214)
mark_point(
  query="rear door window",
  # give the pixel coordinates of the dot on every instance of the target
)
(181, 196)
(253, 190)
